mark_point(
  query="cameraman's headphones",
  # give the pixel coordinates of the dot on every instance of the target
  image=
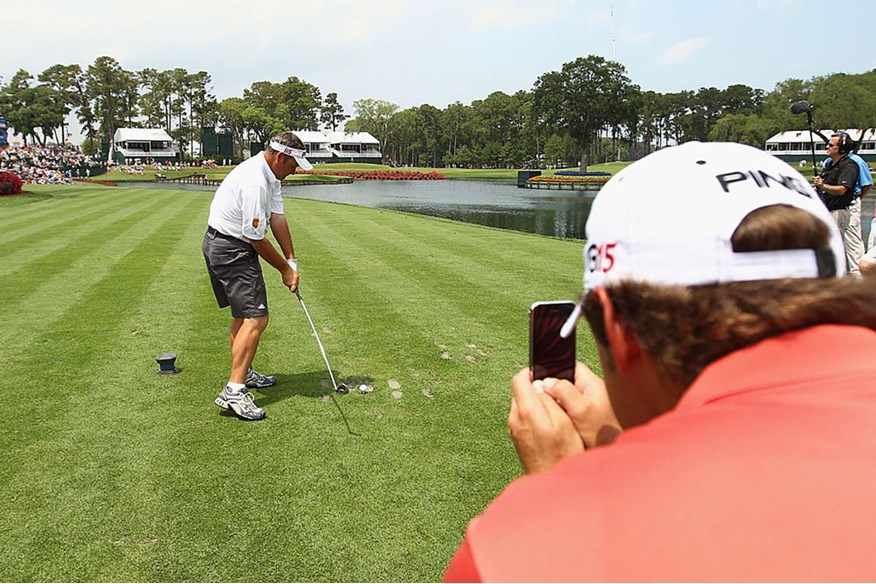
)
(846, 144)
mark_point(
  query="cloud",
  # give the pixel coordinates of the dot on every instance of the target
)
(629, 35)
(778, 5)
(505, 15)
(681, 51)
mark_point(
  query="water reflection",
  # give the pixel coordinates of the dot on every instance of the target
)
(492, 203)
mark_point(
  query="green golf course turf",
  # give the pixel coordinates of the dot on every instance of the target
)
(114, 473)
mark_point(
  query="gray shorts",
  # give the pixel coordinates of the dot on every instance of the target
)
(236, 275)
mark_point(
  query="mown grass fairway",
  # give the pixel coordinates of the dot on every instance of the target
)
(114, 473)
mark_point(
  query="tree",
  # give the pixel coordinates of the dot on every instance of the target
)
(69, 81)
(202, 105)
(13, 102)
(431, 120)
(156, 103)
(742, 99)
(650, 126)
(844, 101)
(131, 94)
(457, 129)
(107, 86)
(373, 116)
(750, 129)
(559, 151)
(179, 83)
(778, 102)
(34, 111)
(261, 123)
(303, 102)
(332, 112)
(587, 95)
(404, 145)
(495, 122)
(232, 119)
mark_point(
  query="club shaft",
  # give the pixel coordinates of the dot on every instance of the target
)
(318, 342)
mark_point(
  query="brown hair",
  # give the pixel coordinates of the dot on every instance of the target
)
(686, 328)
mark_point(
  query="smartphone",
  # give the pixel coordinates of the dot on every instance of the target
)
(549, 354)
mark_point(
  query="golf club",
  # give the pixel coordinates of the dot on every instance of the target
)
(338, 388)
(798, 108)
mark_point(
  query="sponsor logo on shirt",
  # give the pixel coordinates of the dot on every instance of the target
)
(255, 222)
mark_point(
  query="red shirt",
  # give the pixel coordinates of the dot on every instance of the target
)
(765, 470)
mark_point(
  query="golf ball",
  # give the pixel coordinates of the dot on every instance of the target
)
(363, 388)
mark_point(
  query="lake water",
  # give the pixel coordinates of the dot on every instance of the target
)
(492, 203)
(498, 204)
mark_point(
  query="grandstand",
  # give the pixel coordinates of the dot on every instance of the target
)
(318, 146)
(330, 147)
(355, 147)
(143, 145)
(794, 146)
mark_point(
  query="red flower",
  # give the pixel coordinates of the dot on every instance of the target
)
(10, 183)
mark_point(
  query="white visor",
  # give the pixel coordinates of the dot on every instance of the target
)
(296, 153)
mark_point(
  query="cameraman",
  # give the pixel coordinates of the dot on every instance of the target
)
(836, 187)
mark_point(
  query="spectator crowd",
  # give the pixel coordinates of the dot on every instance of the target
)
(46, 164)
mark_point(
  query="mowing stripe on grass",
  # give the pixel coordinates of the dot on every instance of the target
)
(92, 434)
(464, 288)
(382, 289)
(73, 314)
(53, 257)
(72, 272)
(115, 473)
(24, 220)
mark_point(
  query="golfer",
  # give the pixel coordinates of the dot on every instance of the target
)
(731, 438)
(246, 202)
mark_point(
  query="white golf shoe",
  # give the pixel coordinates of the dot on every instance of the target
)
(240, 403)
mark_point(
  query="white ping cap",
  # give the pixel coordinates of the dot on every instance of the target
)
(668, 219)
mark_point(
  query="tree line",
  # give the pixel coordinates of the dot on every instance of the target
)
(588, 111)
(105, 97)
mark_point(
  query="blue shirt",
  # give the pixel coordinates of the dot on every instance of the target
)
(865, 178)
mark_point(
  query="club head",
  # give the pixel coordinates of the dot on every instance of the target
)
(800, 107)
(342, 388)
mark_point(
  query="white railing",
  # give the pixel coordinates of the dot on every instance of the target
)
(129, 153)
(354, 154)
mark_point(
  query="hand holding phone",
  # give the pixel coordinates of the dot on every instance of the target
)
(550, 355)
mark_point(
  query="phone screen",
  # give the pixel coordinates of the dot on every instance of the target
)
(549, 354)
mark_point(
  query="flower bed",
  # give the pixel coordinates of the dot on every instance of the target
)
(380, 174)
(10, 184)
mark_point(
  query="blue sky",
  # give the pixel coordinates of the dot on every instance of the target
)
(424, 51)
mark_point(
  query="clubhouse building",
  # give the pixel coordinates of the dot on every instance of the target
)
(794, 146)
(142, 145)
(328, 147)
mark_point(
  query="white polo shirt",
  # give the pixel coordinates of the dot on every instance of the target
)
(243, 203)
